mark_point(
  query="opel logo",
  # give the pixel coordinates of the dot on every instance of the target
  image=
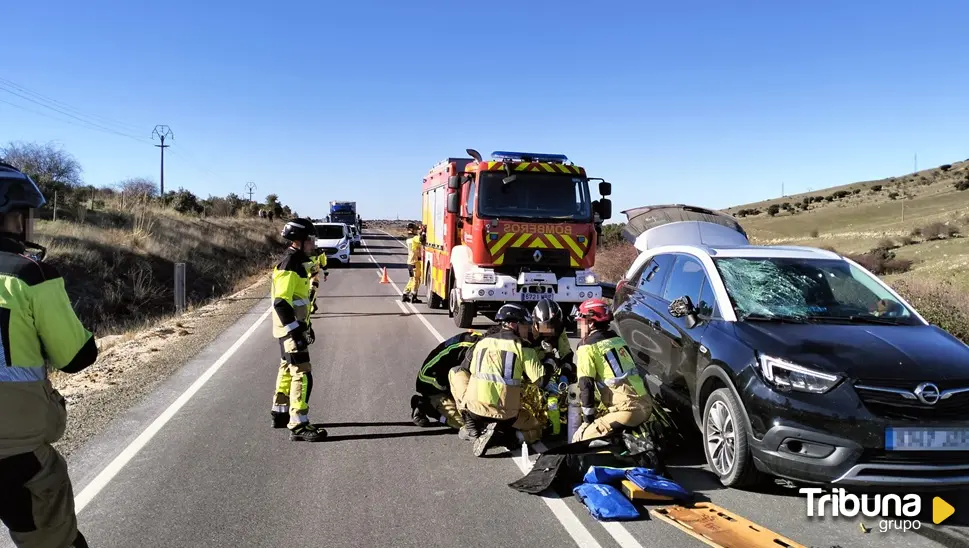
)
(928, 393)
(537, 255)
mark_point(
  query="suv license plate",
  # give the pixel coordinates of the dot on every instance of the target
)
(535, 297)
(927, 439)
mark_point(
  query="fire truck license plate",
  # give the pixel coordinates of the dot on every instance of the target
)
(528, 297)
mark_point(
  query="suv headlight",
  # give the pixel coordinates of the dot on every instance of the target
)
(586, 277)
(786, 376)
(480, 276)
(343, 245)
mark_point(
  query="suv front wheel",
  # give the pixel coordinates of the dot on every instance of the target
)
(725, 440)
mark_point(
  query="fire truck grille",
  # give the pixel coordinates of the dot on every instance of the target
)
(530, 256)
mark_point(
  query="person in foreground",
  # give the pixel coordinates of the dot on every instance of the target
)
(605, 367)
(291, 325)
(38, 327)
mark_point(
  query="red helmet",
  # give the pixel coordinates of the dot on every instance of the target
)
(595, 310)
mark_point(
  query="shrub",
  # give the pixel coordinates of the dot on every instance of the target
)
(773, 210)
(815, 233)
(829, 198)
(612, 234)
(961, 185)
(940, 303)
(881, 261)
(945, 167)
(886, 244)
(806, 200)
(613, 262)
(856, 191)
(916, 232)
(893, 195)
(876, 188)
(905, 240)
(786, 205)
(840, 194)
(938, 231)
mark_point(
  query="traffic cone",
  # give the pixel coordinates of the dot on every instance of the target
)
(384, 279)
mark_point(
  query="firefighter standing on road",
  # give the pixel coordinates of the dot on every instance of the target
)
(605, 366)
(415, 265)
(291, 325)
(316, 265)
(488, 385)
(433, 401)
(38, 327)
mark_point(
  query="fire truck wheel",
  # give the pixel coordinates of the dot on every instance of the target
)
(433, 301)
(463, 313)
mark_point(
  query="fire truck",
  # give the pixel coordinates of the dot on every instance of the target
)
(516, 228)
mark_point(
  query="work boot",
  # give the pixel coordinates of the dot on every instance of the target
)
(471, 428)
(405, 298)
(280, 420)
(419, 419)
(307, 432)
(483, 441)
(79, 541)
(415, 299)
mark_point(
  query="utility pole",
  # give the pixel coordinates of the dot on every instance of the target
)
(162, 132)
(782, 189)
(916, 167)
(250, 188)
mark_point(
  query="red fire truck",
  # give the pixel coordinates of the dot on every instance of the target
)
(516, 228)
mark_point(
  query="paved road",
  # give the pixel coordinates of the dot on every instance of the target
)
(197, 463)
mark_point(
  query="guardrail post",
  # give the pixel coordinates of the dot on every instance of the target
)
(179, 287)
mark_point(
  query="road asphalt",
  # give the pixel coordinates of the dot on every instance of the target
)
(197, 463)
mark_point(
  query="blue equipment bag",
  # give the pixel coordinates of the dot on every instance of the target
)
(608, 474)
(605, 503)
(645, 479)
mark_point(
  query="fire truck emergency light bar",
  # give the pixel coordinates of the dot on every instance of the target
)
(528, 157)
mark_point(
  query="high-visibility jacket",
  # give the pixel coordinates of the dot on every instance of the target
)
(290, 292)
(498, 364)
(433, 377)
(38, 328)
(561, 344)
(315, 265)
(605, 365)
(413, 250)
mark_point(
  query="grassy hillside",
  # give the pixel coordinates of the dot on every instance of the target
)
(912, 230)
(119, 265)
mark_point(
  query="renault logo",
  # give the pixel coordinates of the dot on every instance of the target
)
(537, 255)
(927, 393)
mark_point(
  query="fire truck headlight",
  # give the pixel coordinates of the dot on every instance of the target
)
(480, 276)
(586, 277)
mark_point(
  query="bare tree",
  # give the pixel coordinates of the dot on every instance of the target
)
(49, 165)
(139, 187)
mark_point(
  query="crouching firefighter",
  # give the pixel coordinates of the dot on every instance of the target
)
(550, 339)
(488, 385)
(291, 325)
(415, 266)
(39, 328)
(605, 367)
(433, 401)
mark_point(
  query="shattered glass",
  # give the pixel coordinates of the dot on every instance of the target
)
(815, 289)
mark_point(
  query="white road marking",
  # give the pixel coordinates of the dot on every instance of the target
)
(111, 470)
(579, 533)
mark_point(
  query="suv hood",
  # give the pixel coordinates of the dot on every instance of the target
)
(908, 352)
(330, 243)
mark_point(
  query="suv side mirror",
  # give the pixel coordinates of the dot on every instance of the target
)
(454, 182)
(605, 208)
(605, 188)
(683, 308)
(453, 203)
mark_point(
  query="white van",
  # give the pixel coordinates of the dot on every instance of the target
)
(334, 239)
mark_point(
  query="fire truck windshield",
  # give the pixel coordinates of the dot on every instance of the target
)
(534, 196)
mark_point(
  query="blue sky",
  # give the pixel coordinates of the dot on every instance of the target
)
(700, 102)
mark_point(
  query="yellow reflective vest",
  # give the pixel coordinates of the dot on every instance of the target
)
(39, 329)
(413, 250)
(290, 292)
(605, 366)
(499, 363)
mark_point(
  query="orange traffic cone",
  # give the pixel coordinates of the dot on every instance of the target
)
(384, 279)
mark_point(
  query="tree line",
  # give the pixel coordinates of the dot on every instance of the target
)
(59, 175)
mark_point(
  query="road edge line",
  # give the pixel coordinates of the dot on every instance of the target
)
(96, 485)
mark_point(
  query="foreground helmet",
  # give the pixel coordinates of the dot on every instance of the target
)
(547, 317)
(18, 191)
(512, 313)
(595, 311)
(299, 230)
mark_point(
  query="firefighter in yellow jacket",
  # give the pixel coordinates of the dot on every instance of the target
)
(316, 265)
(415, 265)
(488, 385)
(38, 328)
(291, 325)
(606, 367)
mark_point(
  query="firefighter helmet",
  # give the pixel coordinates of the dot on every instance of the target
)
(299, 230)
(595, 311)
(512, 313)
(547, 317)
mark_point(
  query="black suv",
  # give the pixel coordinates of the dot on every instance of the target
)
(794, 362)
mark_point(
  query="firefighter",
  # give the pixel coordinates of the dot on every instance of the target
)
(415, 265)
(291, 325)
(433, 402)
(548, 332)
(39, 327)
(317, 264)
(488, 385)
(605, 366)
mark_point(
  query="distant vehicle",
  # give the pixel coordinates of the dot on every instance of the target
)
(518, 228)
(334, 239)
(792, 361)
(355, 237)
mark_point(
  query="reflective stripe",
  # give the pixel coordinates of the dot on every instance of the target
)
(616, 381)
(497, 379)
(302, 419)
(280, 409)
(23, 374)
(613, 359)
(291, 326)
(508, 363)
(300, 302)
(588, 410)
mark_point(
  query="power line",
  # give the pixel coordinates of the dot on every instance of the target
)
(22, 89)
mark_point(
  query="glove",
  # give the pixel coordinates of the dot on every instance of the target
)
(325, 274)
(299, 336)
(310, 336)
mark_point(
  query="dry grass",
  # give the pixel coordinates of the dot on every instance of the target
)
(119, 266)
(613, 261)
